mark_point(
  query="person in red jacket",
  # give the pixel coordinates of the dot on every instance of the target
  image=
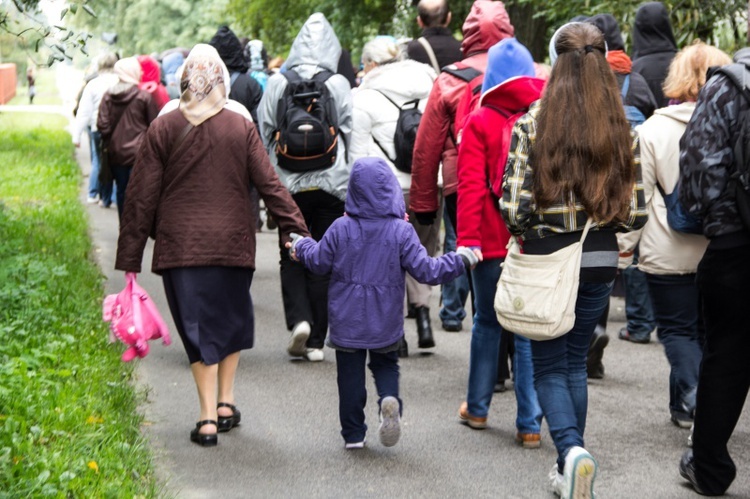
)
(509, 87)
(487, 23)
(151, 80)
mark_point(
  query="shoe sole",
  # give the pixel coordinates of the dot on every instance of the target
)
(473, 424)
(297, 343)
(390, 426)
(529, 444)
(584, 474)
(686, 425)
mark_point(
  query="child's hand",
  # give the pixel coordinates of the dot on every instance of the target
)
(470, 256)
(291, 245)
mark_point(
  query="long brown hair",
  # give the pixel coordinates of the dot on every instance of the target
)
(583, 144)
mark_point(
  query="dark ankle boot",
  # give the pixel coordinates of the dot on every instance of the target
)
(424, 329)
(403, 348)
(594, 365)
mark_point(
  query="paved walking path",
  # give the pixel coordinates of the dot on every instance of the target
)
(289, 446)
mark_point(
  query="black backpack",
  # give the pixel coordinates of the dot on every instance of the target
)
(307, 137)
(739, 178)
(405, 135)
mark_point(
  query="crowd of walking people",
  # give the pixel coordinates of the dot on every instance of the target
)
(596, 150)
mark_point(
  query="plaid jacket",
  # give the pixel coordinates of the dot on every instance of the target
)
(517, 205)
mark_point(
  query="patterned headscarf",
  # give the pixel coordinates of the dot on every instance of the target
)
(128, 70)
(204, 84)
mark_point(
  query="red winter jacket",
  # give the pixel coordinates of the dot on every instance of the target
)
(486, 24)
(480, 163)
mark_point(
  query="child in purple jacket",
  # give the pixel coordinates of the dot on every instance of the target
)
(368, 253)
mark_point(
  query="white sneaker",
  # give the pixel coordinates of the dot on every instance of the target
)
(390, 422)
(315, 354)
(556, 480)
(579, 475)
(690, 437)
(92, 200)
(354, 445)
(300, 333)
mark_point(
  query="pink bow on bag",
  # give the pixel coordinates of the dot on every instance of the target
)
(134, 319)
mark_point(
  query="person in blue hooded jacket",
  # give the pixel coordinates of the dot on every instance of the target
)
(367, 254)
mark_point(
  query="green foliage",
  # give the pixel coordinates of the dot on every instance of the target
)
(69, 425)
(147, 26)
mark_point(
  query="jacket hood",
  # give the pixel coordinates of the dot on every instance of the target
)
(374, 191)
(230, 50)
(401, 81)
(124, 95)
(487, 23)
(150, 71)
(742, 55)
(680, 112)
(506, 59)
(515, 94)
(608, 25)
(652, 31)
(316, 45)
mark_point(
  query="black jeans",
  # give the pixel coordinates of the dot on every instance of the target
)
(305, 295)
(676, 305)
(724, 283)
(353, 392)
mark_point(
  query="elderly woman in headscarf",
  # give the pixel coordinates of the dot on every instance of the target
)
(125, 113)
(191, 189)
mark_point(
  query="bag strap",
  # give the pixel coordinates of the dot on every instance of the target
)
(625, 88)
(178, 142)
(233, 78)
(430, 53)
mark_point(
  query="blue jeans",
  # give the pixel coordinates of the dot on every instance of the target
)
(455, 292)
(560, 371)
(353, 392)
(97, 188)
(121, 174)
(638, 308)
(676, 303)
(485, 347)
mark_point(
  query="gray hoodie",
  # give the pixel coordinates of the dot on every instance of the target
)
(316, 48)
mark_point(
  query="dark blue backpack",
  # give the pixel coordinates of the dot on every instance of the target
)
(679, 218)
(634, 115)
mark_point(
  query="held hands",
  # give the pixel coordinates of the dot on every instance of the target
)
(291, 245)
(470, 256)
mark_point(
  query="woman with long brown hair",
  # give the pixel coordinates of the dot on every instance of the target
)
(573, 159)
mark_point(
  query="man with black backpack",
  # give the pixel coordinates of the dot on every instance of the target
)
(306, 123)
(715, 151)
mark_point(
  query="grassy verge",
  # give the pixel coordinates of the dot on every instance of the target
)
(69, 425)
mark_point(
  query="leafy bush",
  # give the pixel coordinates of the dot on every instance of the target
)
(69, 424)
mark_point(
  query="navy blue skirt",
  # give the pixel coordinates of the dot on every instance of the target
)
(212, 309)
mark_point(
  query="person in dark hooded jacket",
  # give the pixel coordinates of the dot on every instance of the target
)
(654, 47)
(638, 307)
(244, 88)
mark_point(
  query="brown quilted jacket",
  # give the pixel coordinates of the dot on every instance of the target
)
(123, 120)
(198, 200)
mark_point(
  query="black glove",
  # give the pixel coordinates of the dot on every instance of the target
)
(427, 218)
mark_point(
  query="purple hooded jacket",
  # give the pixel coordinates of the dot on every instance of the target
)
(367, 254)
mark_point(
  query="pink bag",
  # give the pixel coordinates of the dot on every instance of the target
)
(134, 319)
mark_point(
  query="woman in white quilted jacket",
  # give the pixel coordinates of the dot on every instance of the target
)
(392, 82)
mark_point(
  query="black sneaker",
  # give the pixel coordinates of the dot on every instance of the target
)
(682, 419)
(687, 470)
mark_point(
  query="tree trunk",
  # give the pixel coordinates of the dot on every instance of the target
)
(530, 31)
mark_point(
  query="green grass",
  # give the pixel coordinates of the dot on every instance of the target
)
(46, 89)
(69, 420)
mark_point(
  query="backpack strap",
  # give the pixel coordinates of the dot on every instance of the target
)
(463, 72)
(233, 78)
(625, 88)
(430, 53)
